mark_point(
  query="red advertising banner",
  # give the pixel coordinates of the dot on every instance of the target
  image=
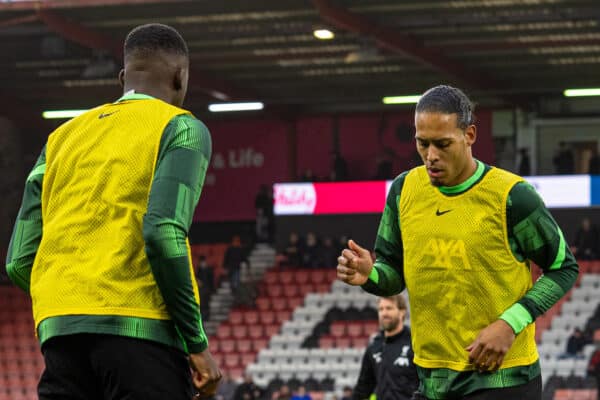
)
(246, 154)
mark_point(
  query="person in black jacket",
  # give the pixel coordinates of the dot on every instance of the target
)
(387, 366)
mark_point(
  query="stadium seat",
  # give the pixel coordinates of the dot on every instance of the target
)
(250, 317)
(255, 331)
(263, 304)
(266, 317)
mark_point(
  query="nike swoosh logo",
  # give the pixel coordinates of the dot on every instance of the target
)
(438, 212)
(106, 114)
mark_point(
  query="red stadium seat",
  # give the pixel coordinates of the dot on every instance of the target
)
(301, 276)
(274, 291)
(251, 317)
(286, 277)
(232, 360)
(318, 276)
(337, 329)
(291, 290)
(326, 342)
(263, 304)
(243, 345)
(255, 331)
(282, 316)
(271, 330)
(235, 317)
(247, 358)
(240, 331)
(267, 317)
(355, 329)
(294, 302)
(259, 344)
(227, 345)
(224, 331)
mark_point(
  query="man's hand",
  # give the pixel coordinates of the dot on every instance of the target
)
(491, 345)
(206, 374)
(354, 265)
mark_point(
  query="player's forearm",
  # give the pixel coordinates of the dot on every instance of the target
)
(27, 232)
(384, 281)
(167, 253)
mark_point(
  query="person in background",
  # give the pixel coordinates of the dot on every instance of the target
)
(594, 367)
(387, 367)
(263, 203)
(234, 258)
(206, 285)
(301, 394)
(564, 160)
(575, 344)
(587, 241)
(115, 302)
(459, 235)
(524, 162)
(226, 388)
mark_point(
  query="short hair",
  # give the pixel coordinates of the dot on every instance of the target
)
(149, 38)
(447, 100)
(397, 299)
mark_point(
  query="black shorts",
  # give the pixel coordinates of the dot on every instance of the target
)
(109, 367)
(531, 390)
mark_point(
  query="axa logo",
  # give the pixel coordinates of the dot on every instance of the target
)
(446, 253)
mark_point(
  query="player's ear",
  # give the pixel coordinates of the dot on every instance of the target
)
(122, 78)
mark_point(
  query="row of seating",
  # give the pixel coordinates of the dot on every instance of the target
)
(576, 394)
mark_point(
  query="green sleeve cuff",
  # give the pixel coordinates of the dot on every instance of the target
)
(197, 347)
(374, 275)
(517, 317)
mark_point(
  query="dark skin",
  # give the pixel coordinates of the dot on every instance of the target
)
(164, 76)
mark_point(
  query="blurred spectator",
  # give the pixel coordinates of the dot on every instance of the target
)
(247, 390)
(235, 255)
(384, 168)
(575, 345)
(564, 161)
(284, 393)
(339, 167)
(524, 168)
(327, 253)
(226, 388)
(293, 252)
(311, 251)
(594, 163)
(587, 240)
(594, 367)
(307, 176)
(206, 285)
(246, 294)
(263, 203)
(301, 394)
(347, 393)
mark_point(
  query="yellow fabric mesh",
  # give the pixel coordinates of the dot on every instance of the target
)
(460, 272)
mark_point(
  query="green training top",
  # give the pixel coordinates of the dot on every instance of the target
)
(533, 234)
(183, 158)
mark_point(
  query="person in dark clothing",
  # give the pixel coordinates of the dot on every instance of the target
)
(564, 161)
(294, 251)
(575, 344)
(387, 366)
(235, 255)
(247, 390)
(524, 162)
(339, 168)
(206, 285)
(594, 163)
(594, 367)
(587, 241)
(263, 203)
